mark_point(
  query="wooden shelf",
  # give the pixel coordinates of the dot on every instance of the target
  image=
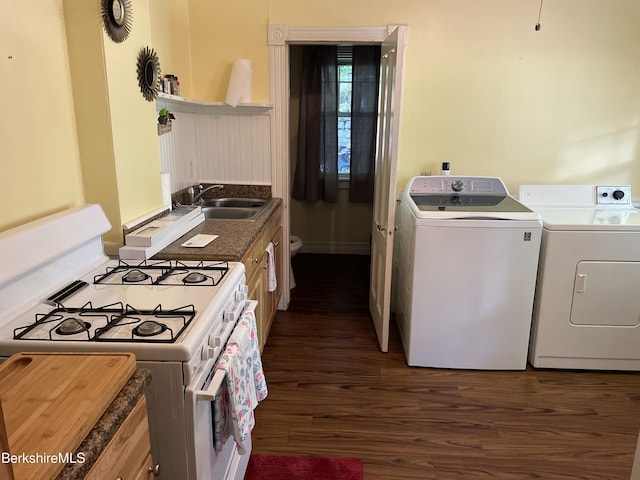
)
(181, 104)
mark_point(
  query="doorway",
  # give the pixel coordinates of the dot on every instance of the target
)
(340, 227)
(391, 39)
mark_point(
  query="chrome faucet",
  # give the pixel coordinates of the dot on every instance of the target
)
(194, 197)
(191, 193)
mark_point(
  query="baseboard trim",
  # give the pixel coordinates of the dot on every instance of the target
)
(343, 248)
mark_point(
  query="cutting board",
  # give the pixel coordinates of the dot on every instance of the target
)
(50, 402)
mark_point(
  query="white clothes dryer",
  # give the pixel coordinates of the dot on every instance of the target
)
(587, 304)
(465, 273)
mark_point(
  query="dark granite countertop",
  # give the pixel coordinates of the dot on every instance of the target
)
(104, 430)
(235, 238)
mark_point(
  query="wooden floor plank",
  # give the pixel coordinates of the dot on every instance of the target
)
(332, 392)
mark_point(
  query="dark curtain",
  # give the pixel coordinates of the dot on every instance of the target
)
(364, 119)
(316, 176)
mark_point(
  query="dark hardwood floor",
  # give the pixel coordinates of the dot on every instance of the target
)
(333, 393)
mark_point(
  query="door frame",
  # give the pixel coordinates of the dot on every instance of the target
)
(279, 39)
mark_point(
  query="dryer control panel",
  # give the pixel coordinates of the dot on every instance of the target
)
(575, 196)
(613, 195)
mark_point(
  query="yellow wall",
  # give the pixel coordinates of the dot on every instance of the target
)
(482, 89)
(90, 89)
(117, 126)
(491, 95)
(39, 164)
(222, 32)
(133, 120)
(77, 126)
(171, 39)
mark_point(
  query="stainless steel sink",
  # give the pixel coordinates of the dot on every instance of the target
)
(245, 209)
(235, 202)
(231, 213)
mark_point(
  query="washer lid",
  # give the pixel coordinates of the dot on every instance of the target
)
(482, 204)
(595, 219)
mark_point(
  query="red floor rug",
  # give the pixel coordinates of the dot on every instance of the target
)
(284, 467)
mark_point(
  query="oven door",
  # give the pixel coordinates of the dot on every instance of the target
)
(204, 461)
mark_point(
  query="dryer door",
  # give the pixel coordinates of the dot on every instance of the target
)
(606, 293)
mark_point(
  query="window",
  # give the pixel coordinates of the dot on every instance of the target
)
(337, 123)
(345, 68)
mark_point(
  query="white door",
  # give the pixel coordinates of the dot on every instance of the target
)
(385, 184)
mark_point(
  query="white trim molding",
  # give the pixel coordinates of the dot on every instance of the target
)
(280, 35)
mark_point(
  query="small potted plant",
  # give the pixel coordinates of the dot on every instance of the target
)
(164, 121)
(165, 117)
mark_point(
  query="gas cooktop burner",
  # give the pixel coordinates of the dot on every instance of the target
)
(165, 272)
(109, 323)
(135, 276)
(72, 326)
(195, 277)
(149, 329)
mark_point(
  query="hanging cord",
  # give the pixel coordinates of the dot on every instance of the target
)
(539, 15)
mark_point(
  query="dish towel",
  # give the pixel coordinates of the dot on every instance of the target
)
(273, 281)
(244, 385)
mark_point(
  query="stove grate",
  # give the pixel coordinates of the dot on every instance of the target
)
(54, 319)
(164, 272)
(134, 317)
(112, 316)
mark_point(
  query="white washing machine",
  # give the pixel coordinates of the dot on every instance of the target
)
(465, 273)
(587, 305)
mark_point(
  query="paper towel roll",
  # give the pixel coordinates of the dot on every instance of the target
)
(165, 179)
(239, 90)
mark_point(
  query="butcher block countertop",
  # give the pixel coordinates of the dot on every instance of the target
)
(54, 404)
(235, 238)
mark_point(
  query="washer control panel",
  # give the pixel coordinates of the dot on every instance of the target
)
(429, 185)
(613, 195)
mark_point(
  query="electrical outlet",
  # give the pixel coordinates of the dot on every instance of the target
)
(613, 195)
(425, 172)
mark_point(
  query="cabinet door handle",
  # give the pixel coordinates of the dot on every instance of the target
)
(265, 266)
(256, 260)
(276, 244)
(155, 470)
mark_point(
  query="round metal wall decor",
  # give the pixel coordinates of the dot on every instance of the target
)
(117, 18)
(148, 73)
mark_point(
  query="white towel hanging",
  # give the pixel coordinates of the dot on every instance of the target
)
(273, 281)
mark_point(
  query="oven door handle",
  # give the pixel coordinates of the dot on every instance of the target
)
(209, 394)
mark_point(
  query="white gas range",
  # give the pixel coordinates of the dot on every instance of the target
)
(59, 292)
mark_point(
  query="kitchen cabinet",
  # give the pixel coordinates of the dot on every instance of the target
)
(257, 264)
(71, 406)
(128, 454)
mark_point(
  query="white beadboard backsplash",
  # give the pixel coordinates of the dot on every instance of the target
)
(225, 147)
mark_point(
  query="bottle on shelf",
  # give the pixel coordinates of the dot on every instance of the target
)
(171, 84)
